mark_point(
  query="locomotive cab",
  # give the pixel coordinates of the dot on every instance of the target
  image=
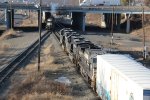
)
(50, 23)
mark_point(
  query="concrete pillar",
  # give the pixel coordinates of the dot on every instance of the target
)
(103, 21)
(47, 15)
(106, 20)
(78, 20)
(8, 19)
(128, 24)
(38, 17)
(118, 21)
(12, 18)
(110, 20)
(6, 15)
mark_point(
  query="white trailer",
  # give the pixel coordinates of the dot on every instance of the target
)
(121, 78)
(100, 2)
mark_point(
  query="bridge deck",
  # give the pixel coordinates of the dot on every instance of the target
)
(87, 9)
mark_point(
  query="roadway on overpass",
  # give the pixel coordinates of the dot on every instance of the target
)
(86, 9)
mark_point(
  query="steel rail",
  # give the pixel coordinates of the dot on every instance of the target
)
(11, 67)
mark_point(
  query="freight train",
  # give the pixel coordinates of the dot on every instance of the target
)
(111, 76)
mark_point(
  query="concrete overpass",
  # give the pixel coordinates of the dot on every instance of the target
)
(85, 9)
(79, 12)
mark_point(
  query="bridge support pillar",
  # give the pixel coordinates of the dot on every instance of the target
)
(118, 21)
(103, 21)
(47, 15)
(108, 20)
(38, 17)
(10, 18)
(6, 15)
(128, 24)
(78, 20)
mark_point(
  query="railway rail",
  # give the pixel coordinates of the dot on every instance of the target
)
(11, 67)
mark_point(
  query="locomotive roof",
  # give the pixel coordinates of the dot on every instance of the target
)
(129, 68)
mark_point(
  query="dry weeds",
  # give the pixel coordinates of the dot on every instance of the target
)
(140, 34)
(9, 34)
(36, 87)
(93, 19)
(3, 47)
(45, 96)
(48, 53)
(31, 21)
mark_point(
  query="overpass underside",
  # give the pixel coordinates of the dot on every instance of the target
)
(79, 12)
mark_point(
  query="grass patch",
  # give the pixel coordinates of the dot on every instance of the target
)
(37, 87)
(3, 47)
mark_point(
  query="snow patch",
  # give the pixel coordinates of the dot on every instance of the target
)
(64, 80)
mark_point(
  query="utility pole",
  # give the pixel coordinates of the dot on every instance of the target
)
(40, 28)
(144, 44)
(112, 28)
(11, 14)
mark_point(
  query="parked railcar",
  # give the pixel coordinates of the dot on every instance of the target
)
(121, 78)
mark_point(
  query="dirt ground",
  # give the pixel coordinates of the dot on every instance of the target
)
(93, 19)
(28, 84)
(126, 43)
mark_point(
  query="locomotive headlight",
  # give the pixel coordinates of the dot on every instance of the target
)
(49, 24)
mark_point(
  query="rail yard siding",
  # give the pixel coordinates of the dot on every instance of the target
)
(121, 78)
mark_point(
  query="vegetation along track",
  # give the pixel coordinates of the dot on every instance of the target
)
(10, 68)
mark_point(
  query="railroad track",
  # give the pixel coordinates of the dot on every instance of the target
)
(11, 67)
(57, 33)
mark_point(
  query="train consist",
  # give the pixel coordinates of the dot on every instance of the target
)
(81, 52)
(112, 76)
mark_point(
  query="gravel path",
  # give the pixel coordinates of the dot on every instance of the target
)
(123, 42)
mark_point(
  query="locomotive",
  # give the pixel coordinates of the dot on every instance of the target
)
(50, 23)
